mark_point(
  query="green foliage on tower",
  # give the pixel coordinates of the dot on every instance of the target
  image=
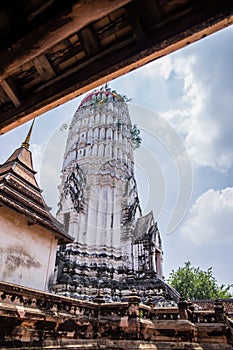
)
(196, 284)
(136, 138)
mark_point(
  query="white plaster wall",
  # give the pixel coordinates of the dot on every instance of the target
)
(27, 253)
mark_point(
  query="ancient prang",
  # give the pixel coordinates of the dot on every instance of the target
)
(108, 290)
(115, 247)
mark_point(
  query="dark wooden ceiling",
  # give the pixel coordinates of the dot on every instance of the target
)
(52, 50)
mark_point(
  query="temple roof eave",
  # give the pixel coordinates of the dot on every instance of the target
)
(19, 191)
(33, 218)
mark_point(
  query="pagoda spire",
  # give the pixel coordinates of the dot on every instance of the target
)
(26, 143)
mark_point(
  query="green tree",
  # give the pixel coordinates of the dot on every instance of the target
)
(196, 284)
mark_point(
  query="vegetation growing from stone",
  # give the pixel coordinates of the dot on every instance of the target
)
(196, 284)
(136, 138)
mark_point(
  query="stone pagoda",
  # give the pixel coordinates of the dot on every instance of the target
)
(115, 247)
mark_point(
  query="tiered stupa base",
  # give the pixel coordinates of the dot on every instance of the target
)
(83, 275)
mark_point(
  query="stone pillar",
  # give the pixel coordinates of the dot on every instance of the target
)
(133, 315)
(133, 304)
(183, 308)
(150, 303)
(159, 265)
(73, 225)
(218, 310)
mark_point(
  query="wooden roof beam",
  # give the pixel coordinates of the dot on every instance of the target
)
(153, 13)
(44, 68)
(134, 20)
(3, 96)
(78, 81)
(38, 41)
(89, 40)
(10, 90)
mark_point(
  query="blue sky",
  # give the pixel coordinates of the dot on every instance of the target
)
(183, 104)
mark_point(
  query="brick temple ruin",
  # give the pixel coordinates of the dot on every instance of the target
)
(31, 319)
(107, 290)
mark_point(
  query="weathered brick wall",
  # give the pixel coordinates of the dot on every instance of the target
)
(30, 319)
(209, 304)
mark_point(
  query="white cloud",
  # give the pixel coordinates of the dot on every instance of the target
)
(210, 220)
(200, 133)
(51, 164)
(204, 117)
(160, 68)
(37, 152)
(191, 88)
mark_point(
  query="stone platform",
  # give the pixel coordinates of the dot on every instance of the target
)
(31, 319)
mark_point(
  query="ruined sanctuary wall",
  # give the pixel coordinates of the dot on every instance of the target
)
(27, 253)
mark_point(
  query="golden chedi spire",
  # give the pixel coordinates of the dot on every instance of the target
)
(26, 143)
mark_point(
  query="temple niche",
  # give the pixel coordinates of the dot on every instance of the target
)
(147, 247)
(116, 247)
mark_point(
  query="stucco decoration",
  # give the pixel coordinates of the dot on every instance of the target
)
(74, 187)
